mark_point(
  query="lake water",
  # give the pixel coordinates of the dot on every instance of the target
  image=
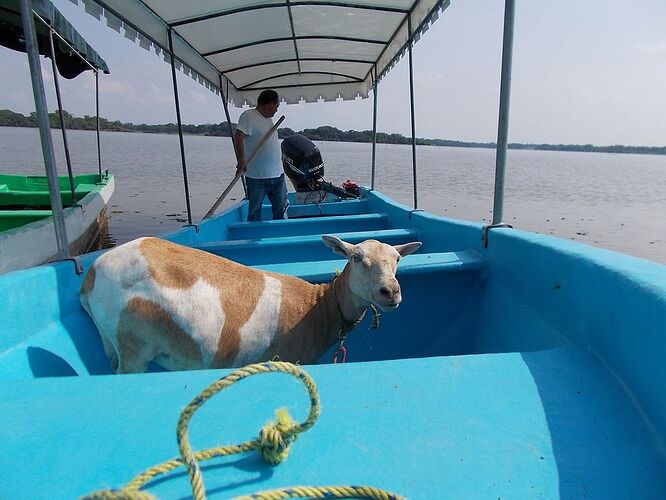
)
(612, 201)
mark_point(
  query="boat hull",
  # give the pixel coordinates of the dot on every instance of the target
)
(34, 243)
(529, 368)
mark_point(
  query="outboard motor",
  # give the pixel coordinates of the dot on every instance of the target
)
(303, 165)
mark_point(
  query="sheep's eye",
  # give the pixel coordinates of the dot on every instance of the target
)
(397, 259)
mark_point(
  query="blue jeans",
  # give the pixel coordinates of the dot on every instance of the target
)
(276, 190)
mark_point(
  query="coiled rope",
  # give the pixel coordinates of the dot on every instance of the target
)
(273, 443)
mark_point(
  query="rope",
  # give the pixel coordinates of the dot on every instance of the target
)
(323, 492)
(274, 443)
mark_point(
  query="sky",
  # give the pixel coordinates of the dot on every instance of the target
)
(584, 72)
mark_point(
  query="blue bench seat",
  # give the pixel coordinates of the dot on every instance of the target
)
(288, 248)
(321, 271)
(311, 225)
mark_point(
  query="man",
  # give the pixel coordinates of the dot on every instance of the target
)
(264, 175)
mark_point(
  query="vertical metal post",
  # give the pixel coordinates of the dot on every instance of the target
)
(180, 130)
(411, 99)
(503, 124)
(30, 37)
(374, 129)
(231, 132)
(62, 116)
(99, 147)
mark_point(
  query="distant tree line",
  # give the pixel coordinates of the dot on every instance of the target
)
(325, 133)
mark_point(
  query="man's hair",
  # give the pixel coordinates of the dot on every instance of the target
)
(267, 96)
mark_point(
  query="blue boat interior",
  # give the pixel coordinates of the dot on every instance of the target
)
(528, 368)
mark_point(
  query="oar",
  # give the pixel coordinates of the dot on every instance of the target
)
(263, 141)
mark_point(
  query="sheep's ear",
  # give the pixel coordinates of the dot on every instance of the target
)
(408, 248)
(337, 245)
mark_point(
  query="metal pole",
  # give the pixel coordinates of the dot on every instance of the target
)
(99, 147)
(503, 124)
(62, 116)
(374, 129)
(180, 131)
(30, 37)
(411, 98)
(231, 132)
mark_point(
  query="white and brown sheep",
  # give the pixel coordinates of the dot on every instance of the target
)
(153, 300)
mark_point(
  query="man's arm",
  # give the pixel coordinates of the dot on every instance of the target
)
(239, 142)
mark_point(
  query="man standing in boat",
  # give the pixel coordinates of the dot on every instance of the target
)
(264, 175)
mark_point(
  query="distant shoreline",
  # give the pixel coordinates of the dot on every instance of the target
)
(10, 118)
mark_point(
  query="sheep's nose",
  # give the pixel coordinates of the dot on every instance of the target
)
(390, 292)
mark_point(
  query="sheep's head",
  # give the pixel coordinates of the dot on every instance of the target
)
(372, 267)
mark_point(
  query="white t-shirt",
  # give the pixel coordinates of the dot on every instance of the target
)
(268, 161)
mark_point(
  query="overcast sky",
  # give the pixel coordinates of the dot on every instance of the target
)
(584, 71)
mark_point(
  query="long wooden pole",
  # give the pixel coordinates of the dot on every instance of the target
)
(263, 141)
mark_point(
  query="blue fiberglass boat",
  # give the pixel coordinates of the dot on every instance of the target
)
(529, 368)
(518, 366)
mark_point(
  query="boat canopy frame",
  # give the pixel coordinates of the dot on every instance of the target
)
(225, 87)
(73, 54)
(150, 19)
(311, 50)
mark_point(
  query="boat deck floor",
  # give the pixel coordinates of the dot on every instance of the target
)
(549, 424)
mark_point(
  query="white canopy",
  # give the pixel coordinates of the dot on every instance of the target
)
(306, 50)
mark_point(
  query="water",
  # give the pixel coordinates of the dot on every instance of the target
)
(607, 200)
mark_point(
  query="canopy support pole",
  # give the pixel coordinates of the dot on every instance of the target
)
(503, 121)
(74, 51)
(180, 130)
(374, 128)
(231, 132)
(99, 144)
(411, 101)
(30, 36)
(62, 116)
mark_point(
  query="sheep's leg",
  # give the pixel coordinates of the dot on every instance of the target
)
(111, 352)
(109, 348)
(134, 353)
(132, 363)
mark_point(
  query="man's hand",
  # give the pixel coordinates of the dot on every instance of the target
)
(241, 167)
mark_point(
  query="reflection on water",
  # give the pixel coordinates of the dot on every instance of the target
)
(607, 200)
(104, 238)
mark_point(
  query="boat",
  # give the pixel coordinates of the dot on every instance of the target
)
(26, 217)
(519, 365)
(27, 237)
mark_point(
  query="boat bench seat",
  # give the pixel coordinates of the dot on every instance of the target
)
(24, 214)
(322, 271)
(553, 424)
(309, 225)
(345, 207)
(288, 248)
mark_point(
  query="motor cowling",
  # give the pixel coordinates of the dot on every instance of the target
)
(302, 162)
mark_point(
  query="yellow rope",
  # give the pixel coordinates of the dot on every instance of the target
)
(273, 443)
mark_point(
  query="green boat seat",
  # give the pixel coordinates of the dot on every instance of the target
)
(10, 219)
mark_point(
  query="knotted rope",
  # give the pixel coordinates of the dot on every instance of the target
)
(273, 443)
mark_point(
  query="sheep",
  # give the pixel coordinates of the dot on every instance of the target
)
(185, 309)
